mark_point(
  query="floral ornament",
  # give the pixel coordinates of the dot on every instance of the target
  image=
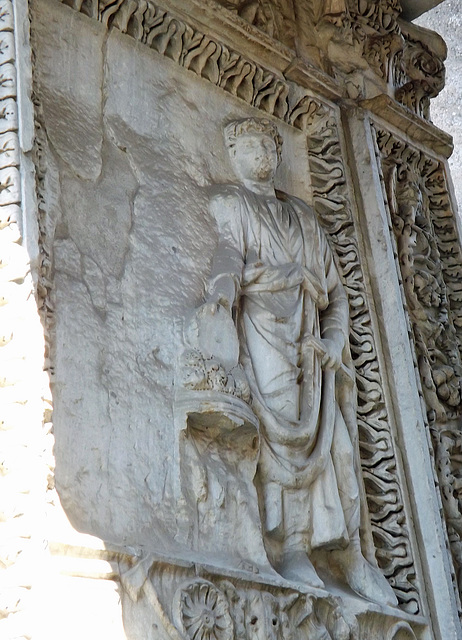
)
(201, 612)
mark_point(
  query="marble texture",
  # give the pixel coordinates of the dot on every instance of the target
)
(113, 196)
(274, 273)
(128, 246)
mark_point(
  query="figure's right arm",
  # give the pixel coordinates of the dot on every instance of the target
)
(228, 260)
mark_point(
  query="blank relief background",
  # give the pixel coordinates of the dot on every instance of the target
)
(131, 144)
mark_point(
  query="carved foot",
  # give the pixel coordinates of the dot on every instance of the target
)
(296, 567)
(364, 579)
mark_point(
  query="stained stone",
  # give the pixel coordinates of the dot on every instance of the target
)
(231, 311)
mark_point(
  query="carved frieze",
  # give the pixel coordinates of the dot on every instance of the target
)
(192, 49)
(349, 33)
(211, 60)
(429, 259)
(363, 44)
(410, 60)
(430, 263)
(382, 482)
(274, 17)
(224, 612)
(216, 607)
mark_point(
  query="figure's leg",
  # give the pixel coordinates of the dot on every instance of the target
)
(363, 578)
(296, 566)
(272, 502)
(344, 465)
(360, 575)
(294, 563)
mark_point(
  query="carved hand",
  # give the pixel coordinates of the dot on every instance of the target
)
(223, 294)
(333, 343)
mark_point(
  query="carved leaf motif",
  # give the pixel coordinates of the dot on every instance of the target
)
(430, 259)
(419, 75)
(274, 17)
(411, 192)
(203, 60)
(382, 482)
(151, 19)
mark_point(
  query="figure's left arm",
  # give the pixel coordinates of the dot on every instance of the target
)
(335, 318)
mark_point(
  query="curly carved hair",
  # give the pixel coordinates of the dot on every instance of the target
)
(252, 125)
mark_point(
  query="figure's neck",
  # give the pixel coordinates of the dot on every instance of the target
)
(260, 188)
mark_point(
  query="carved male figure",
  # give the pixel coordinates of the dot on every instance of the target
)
(274, 271)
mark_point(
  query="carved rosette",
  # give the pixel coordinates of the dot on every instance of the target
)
(213, 607)
(430, 264)
(201, 612)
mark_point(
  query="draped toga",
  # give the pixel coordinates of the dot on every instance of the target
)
(288, 295)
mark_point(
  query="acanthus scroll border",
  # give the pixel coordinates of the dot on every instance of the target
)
(381, 477)
(424, 229)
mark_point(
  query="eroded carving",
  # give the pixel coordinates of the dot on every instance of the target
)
(261, 615)
(206, 373)
(343, 37)
(213, 607)
(382, 483)
(222, 611)
(274, 17)
(413, 184)
(208, 58)
(274, 272)
(375, 26)
(218, 443)
(419, 75)
(197, 52)
(430, 260)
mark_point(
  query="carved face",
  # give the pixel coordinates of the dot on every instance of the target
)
(255, 157)
(265, 618)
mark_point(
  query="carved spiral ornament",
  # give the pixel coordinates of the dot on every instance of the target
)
(201, 612)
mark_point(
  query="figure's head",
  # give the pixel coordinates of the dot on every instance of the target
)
(254, 145)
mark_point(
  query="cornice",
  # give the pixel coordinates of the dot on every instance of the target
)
(418, 129)
(279, 78)
(236, 33)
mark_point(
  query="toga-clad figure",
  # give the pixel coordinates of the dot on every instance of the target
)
(274, 271)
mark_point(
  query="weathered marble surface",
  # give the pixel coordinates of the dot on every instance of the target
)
(130, 232)
(275, 293)
(127, 145)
